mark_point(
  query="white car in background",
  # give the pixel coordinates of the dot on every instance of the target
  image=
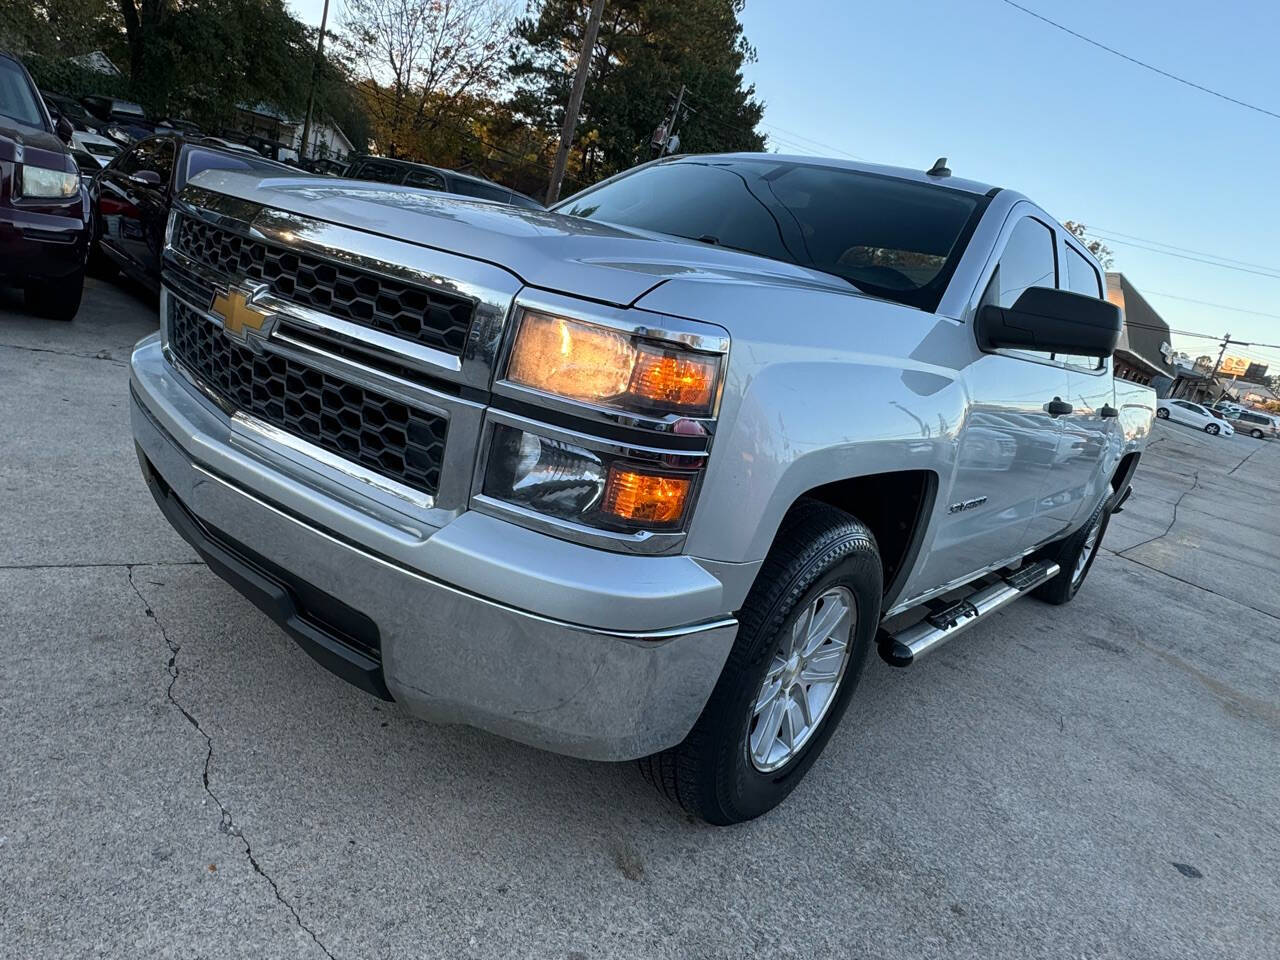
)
(1192, 414)
(102, 149)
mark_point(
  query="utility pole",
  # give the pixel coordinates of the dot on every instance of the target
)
(575, 100)
(1217, 366)
(1221, 353)
(311, 97)
(666, 132)
(675, 120)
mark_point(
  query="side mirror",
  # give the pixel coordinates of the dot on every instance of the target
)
(1051, 321)
(147, 178)
(63, 129)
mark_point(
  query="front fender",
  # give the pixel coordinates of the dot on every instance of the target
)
(821, 387)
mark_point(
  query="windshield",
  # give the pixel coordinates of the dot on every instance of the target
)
(888, 237)
(17, 99)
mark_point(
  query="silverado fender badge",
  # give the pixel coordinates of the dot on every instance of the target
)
(967, 505)
(239, 316)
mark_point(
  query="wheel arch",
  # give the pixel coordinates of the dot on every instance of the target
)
(896, 506)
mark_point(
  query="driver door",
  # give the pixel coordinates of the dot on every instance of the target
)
(1000, 501)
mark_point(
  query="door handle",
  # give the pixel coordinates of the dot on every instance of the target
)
(1057, 407)
(1107, 412)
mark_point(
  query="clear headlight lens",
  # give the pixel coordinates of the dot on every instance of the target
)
(42, 182)
(570, 482)
(583, 361)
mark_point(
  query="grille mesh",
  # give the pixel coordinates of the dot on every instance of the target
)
(385, 435)
(429, 317)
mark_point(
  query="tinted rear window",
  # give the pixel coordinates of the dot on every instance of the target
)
(471, 188)
(378, 172)
(893, 238)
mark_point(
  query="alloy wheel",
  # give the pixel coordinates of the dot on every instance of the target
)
(1087, 550)
(802, 680)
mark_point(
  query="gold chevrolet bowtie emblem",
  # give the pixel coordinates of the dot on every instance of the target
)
(237, 313)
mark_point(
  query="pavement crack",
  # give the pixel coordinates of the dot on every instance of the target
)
(1195, 482)
(227, 822)
(1244, 461)
(100, 355)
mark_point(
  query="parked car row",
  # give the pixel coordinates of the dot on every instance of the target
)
(1222, 418)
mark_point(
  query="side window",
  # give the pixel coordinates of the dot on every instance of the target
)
(1081, 276)
(427, 179)
(127, 162)
(155, 155)
(1028, 261)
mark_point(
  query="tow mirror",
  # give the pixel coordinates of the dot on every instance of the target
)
(1046, 320)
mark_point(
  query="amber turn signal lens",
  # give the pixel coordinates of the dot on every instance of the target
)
(571, 359)
(675, 381)
(648, 499)
(583, 361)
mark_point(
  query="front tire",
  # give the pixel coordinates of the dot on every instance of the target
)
(56, 299)
(804, 634)
(1162, 413)
(1212, 429)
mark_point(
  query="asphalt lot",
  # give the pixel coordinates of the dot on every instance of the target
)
(178, 779)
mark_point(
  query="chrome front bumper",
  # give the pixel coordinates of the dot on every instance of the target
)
(480, 621)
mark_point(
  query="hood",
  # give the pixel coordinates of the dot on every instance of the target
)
(568, 255)
(22, 144)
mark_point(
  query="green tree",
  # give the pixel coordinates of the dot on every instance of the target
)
(646, 49)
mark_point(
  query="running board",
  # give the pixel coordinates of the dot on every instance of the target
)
(937, 628)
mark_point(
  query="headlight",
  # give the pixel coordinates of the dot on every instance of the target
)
(570, 482)
(115, 133)
(582, 361)
(42, 182)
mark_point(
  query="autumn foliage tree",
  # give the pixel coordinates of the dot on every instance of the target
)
(424, 65)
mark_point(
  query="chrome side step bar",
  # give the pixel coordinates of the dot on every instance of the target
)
(937, 628)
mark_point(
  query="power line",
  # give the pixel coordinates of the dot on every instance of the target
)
(1174, 246)
(1143, 64)
(1183, 256)
(1206, 303)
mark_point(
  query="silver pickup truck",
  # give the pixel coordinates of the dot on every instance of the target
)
(646, 476)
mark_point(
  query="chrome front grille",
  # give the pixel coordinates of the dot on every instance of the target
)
(386, 435)
(429, 317)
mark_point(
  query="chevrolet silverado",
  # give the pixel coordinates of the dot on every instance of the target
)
(647, 476)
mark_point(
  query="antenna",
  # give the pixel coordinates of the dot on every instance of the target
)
(939, 168)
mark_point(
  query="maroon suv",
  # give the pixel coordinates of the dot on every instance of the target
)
(44, 209)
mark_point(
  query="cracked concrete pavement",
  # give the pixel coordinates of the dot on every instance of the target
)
(177, 779)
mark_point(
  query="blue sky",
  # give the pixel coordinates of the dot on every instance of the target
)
(1014, 102)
